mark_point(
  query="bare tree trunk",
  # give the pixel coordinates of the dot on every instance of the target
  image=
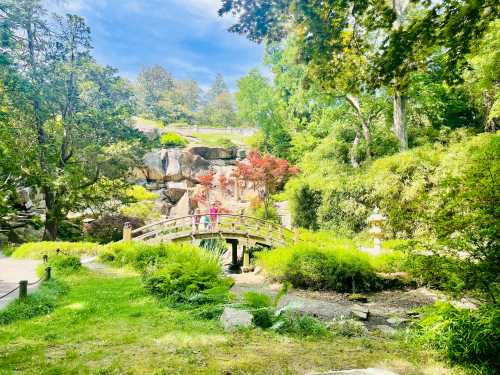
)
(354, 148)
(365, 124)
(399, 118)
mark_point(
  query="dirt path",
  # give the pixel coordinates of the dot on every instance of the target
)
(11, 272)
(391, 308)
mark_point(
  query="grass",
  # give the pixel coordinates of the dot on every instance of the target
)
(110, 325)
(36, 250)
(144, 122)
(218, 139)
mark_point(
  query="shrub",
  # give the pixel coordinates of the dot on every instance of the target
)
(41, 302)
(306, 203)
(144, 256)
(299, 325)
(466, 337)
(144, 211)
(36, 250)
(65, 264)
(181, 274)
(180, 282)
(348, 327)
(308, 265)
(140, 193)
(109, 228)
(224, 142)
(173, 140)
(261, 307)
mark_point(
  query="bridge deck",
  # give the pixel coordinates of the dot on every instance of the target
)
(227, 226)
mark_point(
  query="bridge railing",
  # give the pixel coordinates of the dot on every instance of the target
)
(224, 225)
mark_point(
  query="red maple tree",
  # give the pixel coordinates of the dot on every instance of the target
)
(265, 171)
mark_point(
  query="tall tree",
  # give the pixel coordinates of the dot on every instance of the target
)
(69, 111)
(402, 38)
(152, 84)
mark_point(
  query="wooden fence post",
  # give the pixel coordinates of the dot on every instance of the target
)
(47, 273)
(127, 232)
(23, 289)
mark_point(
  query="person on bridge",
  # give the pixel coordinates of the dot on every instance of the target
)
(196, 220)
(206, 222)
(214, 214)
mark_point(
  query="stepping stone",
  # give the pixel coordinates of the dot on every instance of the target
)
(233, 318)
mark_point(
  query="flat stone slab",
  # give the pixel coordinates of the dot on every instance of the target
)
(324, 310)
(233, 318)
(368, 371)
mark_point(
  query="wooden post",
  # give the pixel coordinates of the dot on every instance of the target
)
(127, 232)
(47, 273)
(246, 259)
(296, 235)
(234, 254)
(23, 289)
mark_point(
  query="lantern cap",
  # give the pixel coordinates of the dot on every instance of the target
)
(376, 216)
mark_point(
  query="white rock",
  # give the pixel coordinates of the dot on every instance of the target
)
(234, 318)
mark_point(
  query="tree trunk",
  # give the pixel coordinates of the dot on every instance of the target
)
(399, 118)
(365, 124)
(354, 148)
(52, 215)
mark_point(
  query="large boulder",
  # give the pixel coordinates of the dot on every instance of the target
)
(173, 195)
(154, 162)
(233, 318)
(214, 153)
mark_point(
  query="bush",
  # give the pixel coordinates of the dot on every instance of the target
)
(144, 256)
(144, 210)
(173, 140)
(182, 274)
(41, 302)
(65, 264)
(334, 266)
(224, 142)
(109, 228)
(140, 193)
(184, 282)
(466, 337)
(348, 328)
(299, 325)
(306, 203)
(36, 250)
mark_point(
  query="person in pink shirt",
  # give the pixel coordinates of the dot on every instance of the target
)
(214, 215)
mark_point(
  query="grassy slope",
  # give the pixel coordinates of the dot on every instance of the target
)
(108, 325)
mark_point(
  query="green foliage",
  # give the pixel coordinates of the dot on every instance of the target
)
(143, 211)
(348, 328)
(173, 140)
(140, 193)
(64, 264)
(36, 250)
(305, 208)
(42, 302)
(466, 337)
(333, 266)
(261, 306)
(299, 325)
(109, 228)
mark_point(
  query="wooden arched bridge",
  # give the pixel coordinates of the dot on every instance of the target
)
(247, 229)
(242, 232)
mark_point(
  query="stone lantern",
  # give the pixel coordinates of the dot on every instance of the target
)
(376, 222)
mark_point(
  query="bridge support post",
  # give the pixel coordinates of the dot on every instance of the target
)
(127, 232)
(234, 254)
(246, 259)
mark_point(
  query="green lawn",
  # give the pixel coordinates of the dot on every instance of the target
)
(108, 325)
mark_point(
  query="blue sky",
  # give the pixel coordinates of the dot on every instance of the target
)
(185, 36)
